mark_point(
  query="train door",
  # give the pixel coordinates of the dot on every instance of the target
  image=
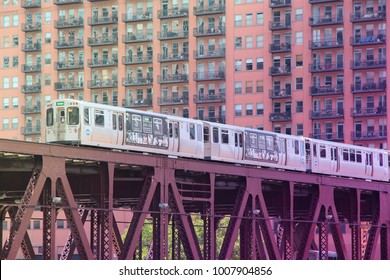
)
(174, 136)
(114, 129)
(283, 150)
(308, 155)
(238, 145)
(334, 159)
(61, 129)
(368, 164)
(206, 140)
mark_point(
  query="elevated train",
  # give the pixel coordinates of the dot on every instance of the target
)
(91, 124)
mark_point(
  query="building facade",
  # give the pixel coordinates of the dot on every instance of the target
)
(309, 67)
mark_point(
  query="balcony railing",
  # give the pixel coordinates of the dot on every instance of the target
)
(93, 63)
(63, 86)
(31, 68)
(280, 70)
(92, 21)
(325, 44)
(209, 76)
(323, 1)
(325, 67)
(31, 109)
(278, 48)
(106, 83)
(209, 54)
(32, 47)
(212, 31)
(68, 65)
(136, 59)
(28, 4)
(143, 81)
(368, 64)
(177, 78)
(368, 87)
(369, 135)
(172, 13)
(147, 102)
(280, 117)
(362, 17)
(137, 16)
(30, 130)
(30, 27)
(278, 94)
(31, 88)
(216, 9)
(173, 100)
(102, 41)
(279, 25)
(137, 38)
(367, 112)
(326, 114)
(374, 40)
(63, 23)
(326, 90)
(279, 3)
(62, 44)
(321, 21)
(335, 136)
(170, 35)
(67, 2)
(209, 98)
(172, 57)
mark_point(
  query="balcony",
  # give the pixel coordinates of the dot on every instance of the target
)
(209, 76)
(279, 3)
(171, 35)
(177, 78)
(147, 102)
(32, 47)
(368, 87)
(137, 38)
(369, 112)
(62, 44)
(364, 41)
(138, 16)
(69, 65)
(325, 67)
(70, 23)
(211, 10)
(209, 98)
(327, 20)
(364, 17)
(30, 130)
(138, 81)
(106, 83)
(280, 71)
(93, 21)
(279, 48)
(173, 100)
(369, 135)
(171, 57)
(63, 86)
(336, 137)
(326, 44)
(209, 54)
(31, 109)
(278, 25)
(30, 4)
(94, 63)
(31, 68)
(323, 1)
(172, 13)
(279, 94)
(368, 64)
(201, 32)
(92, 1)
(102, 41)
(280, 117)
(31, 88)
(31, 27)
(67, 2)
(326, 90)
(136, 59)
(326, 114)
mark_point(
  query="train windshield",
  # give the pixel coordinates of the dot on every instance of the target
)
(73, 115)
(49, 117)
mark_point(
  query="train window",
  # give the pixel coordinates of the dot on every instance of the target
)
(322, 151)
(253, 140)
(314, 150)
(136, 123)
(157, 126)
(176, 127)
(73, 116)
(261, 142)
(170, 130)
(192, 131)
(336, 156)
(114, 124)
(206, 134)
(380, 159)
(345, 155)
(86, 116)
(199, 132)
(147, 124)
(99, 118)
(296, 147)
(235, 139)
(225, 136)
(120, 122)
(388, 160)
(215, 135)
(369, 159)
(359, 156)
(270, 143)
(49, 117)
(352, 155)
(240, 140)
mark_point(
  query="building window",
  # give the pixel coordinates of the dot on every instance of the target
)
(248, 19)
(15, 102)
(15, 41)
(249, 109)
(238, 110)
(238, 20)
(248, 87)
(299, 108)
(238, 65)
(6, 41)
(259, 18)
(47, 17)
(5, 82)
(48, 37)
(15, 82)
(5, 225)
(259, 109)
(6, 103)
(299, 131)
(259, 41)
(47, 79)
(249, 64)
(15, 20)
(48, 58)
(299, 60)
(60, 224)
(6, 21)
(36, 225)
(299, 38)
(237, 87)
(238, 43)
(299, 83)
(259, 63)
(259, 86)
(249, 42)
(15, 61)
(299, 14)
(6, 62)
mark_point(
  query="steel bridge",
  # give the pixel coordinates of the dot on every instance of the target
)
(193, 209)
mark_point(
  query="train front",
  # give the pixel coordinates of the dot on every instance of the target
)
(63, 121)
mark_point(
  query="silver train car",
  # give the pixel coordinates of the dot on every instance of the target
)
(91, 124)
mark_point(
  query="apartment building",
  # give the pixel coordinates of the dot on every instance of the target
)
(308, 67)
